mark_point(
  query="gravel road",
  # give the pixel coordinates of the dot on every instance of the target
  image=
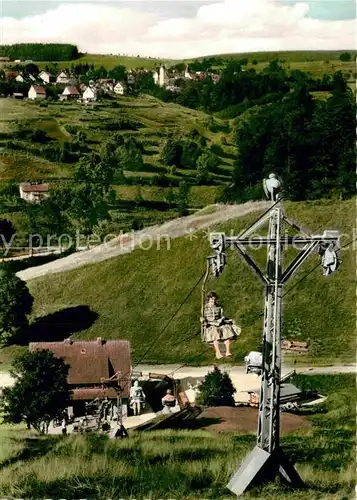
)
(237, 373)
(126, 243)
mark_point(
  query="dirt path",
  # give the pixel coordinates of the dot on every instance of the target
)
(126, 243)
(237, 373)
(229, 419)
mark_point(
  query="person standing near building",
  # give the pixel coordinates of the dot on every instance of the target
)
(64, 427)
(137, 398)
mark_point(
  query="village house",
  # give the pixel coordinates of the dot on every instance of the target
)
(46, 77)
(65, 79)
(130, 77)
(4, 59)
(106, 84)
(90, 362)
(20, 78)
(70, 93)
(120, 88)
(33, 193)
(90, 94)
(174, 88)
(36, 92)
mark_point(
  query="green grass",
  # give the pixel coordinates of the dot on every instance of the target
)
(199, 196)
(135, 295)
(157, 120)
(289, 56)
(183, 464)
(20, 166)
(109, 61)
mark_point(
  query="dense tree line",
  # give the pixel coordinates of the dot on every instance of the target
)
(309, 143)
(40, 51)
(237, 89)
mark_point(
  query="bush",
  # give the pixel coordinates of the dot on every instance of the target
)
(345, 57)
(72, 129)
(216, 389)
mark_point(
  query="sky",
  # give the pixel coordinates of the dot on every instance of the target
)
(181, 28)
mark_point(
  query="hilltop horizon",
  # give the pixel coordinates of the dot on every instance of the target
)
(181, 30)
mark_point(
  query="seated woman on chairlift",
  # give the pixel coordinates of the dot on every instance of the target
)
(217, 328)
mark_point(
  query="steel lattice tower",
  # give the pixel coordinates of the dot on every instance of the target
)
(267, 458)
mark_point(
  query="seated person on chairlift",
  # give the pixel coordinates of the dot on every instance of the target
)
(217, 328)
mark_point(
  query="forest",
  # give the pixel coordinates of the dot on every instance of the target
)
(279, 126)
(40, 51)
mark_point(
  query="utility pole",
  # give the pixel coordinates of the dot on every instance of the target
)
(267, 459)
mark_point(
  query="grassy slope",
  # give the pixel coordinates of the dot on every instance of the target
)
(109, 61)
(157, 118)
(136, 294)
(289, 56)
(182, 464)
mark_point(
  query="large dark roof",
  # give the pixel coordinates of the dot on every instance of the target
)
(90, 361)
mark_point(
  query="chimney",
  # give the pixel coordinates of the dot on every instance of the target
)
(68, 341)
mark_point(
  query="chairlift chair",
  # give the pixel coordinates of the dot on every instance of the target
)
(254, 362)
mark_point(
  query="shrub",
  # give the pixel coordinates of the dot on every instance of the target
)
(216, 389)
(72, 129)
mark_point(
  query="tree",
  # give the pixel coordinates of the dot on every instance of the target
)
(40, 392)
(49, 217)
(31, 69)
(182, 197)
(190, 153)
(93, 194)
(172, 152)
(117, 73)
(7, 231)
(345, 57)
(180, 67)
(216, 389)
(204, 164)
(130, 158)
(170, 197)
(15, 304)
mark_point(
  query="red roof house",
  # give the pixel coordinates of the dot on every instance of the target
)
(90, 362)
(33, 192)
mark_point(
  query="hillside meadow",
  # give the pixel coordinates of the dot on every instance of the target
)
(184, 464)
(61, 121)
(135, 295)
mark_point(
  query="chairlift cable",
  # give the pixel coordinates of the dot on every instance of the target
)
(204, 275)
(166, 325)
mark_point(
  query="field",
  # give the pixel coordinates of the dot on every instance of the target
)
(315, 62)
(156, 119)
(134, 296)
(183, 464)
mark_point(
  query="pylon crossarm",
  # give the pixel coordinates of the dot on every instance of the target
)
(298, 261)
(256, 225)
(251, 262)
(287, 240)
(294, 225)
